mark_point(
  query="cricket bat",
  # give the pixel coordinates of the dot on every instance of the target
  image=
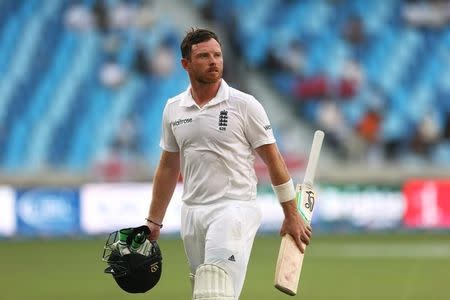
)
(290, 259)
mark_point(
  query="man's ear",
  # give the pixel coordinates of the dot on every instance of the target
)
(185, 63)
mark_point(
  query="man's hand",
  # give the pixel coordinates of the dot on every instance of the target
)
(294, 225)
(154, 231)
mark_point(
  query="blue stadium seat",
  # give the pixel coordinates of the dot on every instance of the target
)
(51, 97)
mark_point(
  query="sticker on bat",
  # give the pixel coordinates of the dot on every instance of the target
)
(306, 200)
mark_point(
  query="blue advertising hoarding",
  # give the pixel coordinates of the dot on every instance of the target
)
(47, 211)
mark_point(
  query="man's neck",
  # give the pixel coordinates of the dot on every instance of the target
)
(202, 93)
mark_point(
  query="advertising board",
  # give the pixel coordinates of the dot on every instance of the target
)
(47, 211)
(109, 207)
(427, 203)
(7, 212)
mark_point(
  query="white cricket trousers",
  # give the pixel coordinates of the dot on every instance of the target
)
(221, 234)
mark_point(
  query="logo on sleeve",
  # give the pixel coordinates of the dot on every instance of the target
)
(268, 127)
(223, 120)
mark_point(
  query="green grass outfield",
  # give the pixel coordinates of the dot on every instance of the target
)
(363, 266)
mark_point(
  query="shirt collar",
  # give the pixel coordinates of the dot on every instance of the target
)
(222, 94)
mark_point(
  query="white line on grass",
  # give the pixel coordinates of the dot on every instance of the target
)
(355, 250)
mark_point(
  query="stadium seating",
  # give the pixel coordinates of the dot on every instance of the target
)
(405, 65)
(55, 111)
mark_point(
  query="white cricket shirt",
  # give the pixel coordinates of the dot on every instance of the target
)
(216, 143)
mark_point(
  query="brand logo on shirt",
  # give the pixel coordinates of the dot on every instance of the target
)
(223, 120)
(268, 127)
(181, 122)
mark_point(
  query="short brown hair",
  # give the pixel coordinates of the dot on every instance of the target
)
(195, 36)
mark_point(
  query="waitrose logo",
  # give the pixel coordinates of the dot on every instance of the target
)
(181, 122)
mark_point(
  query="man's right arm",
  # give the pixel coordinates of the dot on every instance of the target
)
(164, 183)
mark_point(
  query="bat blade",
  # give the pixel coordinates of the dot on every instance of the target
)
(289, 263)
(290, 259)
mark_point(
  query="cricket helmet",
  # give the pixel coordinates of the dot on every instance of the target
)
(134, 262)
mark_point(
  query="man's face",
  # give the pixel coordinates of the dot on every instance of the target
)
(206, 62)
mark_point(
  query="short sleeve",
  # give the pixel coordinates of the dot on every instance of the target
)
(168, 141)
(258, 129)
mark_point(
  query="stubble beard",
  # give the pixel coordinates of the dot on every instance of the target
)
(208, 79)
